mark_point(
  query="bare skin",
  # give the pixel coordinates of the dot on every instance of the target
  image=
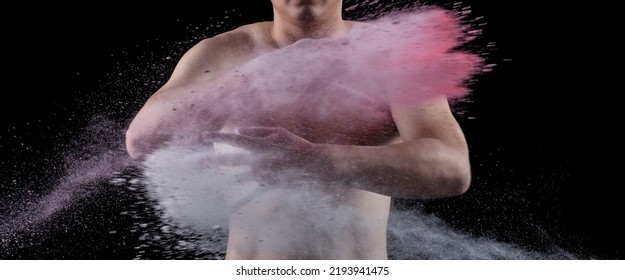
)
(418, 151)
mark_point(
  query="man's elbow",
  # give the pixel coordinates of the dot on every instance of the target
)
(458, 180)
(140, 144)
(133, 145)
(450, 182)
(461, 183)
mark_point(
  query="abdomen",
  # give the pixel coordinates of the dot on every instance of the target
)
(301, 222)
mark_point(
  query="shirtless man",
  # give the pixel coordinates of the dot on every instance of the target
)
(417, 152)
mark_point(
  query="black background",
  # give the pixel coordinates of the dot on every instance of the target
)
(541, 138)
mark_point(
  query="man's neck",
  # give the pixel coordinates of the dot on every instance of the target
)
(285, 32)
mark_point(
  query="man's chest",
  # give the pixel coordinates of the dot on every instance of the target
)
(321, 114)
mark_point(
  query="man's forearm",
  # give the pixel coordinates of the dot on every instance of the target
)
(421, 169)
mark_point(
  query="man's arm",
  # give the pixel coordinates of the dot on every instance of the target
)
(177, 110)
(431, 161)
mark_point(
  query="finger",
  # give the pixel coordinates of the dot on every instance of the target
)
(257, 131)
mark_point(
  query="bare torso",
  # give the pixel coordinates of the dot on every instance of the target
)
(314, 221)
(350, 125)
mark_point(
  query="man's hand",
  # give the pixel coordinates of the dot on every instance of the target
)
(272, 149)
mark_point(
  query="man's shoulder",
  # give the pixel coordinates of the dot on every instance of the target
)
(222, 51)
(243, 36)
